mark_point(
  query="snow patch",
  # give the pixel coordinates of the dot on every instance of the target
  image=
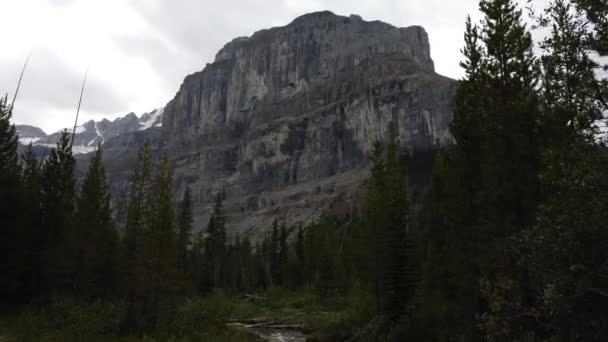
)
(27, 141)
(154, 119)
(76, 149)
(98, 135)
(80, 129)
(82, 149)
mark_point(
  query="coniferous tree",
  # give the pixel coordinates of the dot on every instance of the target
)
(597, 13)
(58, 197)
(388, 209)
(566, 249)
(137, 220)
(300, 261)
(283, 255)
(399, 279)
(96, 236)
(160, 249)
(274, 265)
(9, 183)
(247, 265)
(31, 226)
(198, 266)
(376, 220)
(215, 246)
(489, 189)
(137, 212)
(184, 226)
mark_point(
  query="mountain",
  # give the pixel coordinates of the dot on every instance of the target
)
(92, 133)
(30, 134)
(283, 121)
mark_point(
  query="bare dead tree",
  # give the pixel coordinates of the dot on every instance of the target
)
(20, 79)
(84, 81)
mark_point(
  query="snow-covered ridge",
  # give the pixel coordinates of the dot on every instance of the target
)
(152, 119)
(92, 133)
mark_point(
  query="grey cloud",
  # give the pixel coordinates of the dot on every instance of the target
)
(187, 34)
(51, 84)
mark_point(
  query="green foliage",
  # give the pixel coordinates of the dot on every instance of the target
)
(9, 183)
(215, 247)
(66, 319)
(97, 240)
(184, 226)
(58, 206)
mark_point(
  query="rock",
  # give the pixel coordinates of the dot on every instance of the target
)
(283, 121)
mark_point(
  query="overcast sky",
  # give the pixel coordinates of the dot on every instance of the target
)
(139, 51)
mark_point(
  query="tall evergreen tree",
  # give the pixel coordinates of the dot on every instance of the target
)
(215, 245)
(137, 212)
(31, 237)
(96, 236)
(300, 260)
(9, 183)
(376, 221)
(275, 269)
(160, 248)
(58, 198)
(184, 226)
(137, 221)
(399, 278)
(246, 265)
(283, 255)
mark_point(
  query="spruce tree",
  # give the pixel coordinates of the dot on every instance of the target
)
(137, 212)
(137, 221)
(283, 255)
(247, 265)
(184, 226)
(215, 246)
(159, 250)
(197, 264)
(58, 199)
(376, 222)
(275, 268)
(300, 261)
(97, 239)
(399, 278)
(9, 206)
(31, 226)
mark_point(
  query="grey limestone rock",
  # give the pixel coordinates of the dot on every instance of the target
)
(283, 121)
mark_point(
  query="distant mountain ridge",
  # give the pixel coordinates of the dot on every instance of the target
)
(92, 133)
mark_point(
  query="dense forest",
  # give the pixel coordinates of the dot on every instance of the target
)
(507, 243)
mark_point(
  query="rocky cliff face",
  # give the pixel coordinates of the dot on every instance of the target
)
(283, 121)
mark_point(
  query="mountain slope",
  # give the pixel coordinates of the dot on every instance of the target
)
(282, 122)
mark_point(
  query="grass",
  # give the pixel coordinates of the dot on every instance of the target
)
(331, 317)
